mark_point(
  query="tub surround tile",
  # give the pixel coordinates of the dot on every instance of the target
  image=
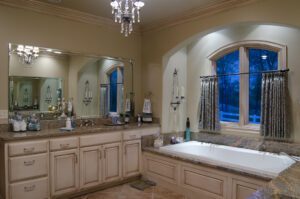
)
(4, 128)
(197, 162)
(285, 186)
(254, 143)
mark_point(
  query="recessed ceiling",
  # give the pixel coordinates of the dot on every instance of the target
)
(154, 10)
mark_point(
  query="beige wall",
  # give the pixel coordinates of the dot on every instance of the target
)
(174, 120)
(26, 27)
(89, 73)
(159, 45)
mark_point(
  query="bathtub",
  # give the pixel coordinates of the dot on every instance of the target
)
(263, 164)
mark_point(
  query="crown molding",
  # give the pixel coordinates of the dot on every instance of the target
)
(67, 13)
(61, 12)
(194, 14)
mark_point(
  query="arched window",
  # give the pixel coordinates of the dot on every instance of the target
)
(240, 95)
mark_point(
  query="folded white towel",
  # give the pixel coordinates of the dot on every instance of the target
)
(127, 105)
(147, 106)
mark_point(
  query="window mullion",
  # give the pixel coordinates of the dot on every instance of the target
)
(244, 87)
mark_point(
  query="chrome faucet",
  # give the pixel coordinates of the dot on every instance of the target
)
(295, 158)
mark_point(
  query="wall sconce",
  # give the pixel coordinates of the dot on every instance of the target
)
(177, 92)
(48, 97)
(88, 95)
(26, 97)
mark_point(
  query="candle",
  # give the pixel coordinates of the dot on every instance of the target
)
(182, 92)
(177, 92)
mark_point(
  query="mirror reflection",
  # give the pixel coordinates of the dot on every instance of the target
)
(42, 79)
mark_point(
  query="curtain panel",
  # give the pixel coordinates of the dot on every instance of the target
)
(274, 95)
(209, 105)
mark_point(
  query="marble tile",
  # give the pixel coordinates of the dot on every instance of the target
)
(127, 192)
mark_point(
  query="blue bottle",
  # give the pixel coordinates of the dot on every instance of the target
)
(187, 131)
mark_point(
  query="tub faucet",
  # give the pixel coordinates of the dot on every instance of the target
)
(295, 158)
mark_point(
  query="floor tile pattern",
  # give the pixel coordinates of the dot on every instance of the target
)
(127, 192)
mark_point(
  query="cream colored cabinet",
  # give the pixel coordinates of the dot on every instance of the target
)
(131, 158)
(64, 171)
(90, 166)
(31, 189)
(27, 170)
(112, 162)
(242, 189)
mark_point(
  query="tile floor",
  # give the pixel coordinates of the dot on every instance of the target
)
(127, 192)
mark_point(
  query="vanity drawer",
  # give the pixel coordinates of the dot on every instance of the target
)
(103, 138)
(33, 189)
(132, 135)
(26, 148)
(25, 167)
(63, 143)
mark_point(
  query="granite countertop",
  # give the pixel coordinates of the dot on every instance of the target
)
(285, 186)
(193, 161)
(50, 133)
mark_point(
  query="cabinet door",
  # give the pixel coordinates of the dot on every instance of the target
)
(90, 166)
(112, 162)
(132, 158)
(64, 171)
(242, 190)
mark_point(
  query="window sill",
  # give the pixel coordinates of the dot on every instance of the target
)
(229, 127)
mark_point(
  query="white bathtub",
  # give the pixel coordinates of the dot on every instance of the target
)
(250, 161)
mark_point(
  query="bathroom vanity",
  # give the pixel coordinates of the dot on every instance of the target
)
(52, 164)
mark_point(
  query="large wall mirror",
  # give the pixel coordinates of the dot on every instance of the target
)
(40, 78)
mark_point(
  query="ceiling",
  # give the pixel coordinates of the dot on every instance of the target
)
(154, 10)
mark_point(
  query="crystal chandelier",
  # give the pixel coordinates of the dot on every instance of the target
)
(28, 53)
(126, 12)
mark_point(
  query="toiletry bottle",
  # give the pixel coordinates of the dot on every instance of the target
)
(187, 130)
(68, 123)
(139, 120)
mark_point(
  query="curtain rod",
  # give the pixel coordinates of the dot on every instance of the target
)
(247, 73)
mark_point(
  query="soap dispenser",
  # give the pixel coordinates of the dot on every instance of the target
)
(187, 135)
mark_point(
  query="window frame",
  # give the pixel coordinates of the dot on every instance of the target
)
(243, 125)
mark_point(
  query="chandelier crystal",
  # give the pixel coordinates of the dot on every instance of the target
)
(126, 12)
(28, 53)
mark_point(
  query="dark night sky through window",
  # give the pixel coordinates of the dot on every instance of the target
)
(229, 86)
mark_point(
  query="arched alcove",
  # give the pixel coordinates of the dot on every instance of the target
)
(199, 50)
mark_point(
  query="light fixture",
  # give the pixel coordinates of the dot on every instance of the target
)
(178, 94)
(57, 52)
(48, 95)
(49, 50)
(126, 12)
(88, 95)
(28, 53)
